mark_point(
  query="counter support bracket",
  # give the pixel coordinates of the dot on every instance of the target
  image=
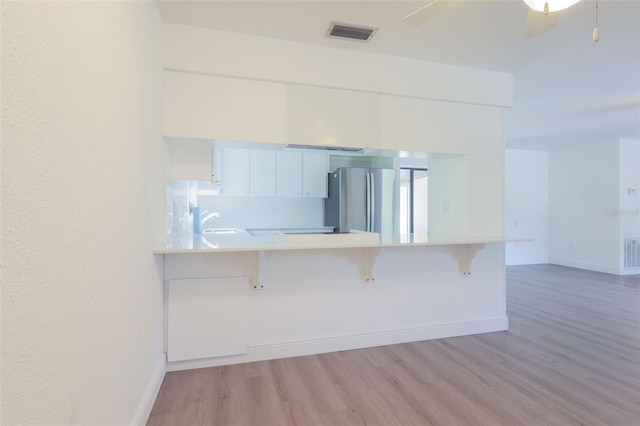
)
(369, 258)
(466, 253)
(257, 271)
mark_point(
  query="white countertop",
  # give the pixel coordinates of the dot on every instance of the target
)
(243, 240)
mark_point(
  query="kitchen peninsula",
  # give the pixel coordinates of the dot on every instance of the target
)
(238, 297)
(237, 300)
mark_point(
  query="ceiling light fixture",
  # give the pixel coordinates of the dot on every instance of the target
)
(547, 6)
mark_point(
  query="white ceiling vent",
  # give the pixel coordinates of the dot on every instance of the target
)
(350, 32)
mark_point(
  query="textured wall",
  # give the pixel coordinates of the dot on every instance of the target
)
(82, 201)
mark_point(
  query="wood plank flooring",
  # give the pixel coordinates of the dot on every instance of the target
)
(571, 357)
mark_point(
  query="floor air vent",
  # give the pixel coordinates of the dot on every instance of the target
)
(631, 253)
(350, 32)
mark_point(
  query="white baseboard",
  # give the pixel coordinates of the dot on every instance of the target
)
(150, 394)
(607, 269)
(311, 347)
(527, 261)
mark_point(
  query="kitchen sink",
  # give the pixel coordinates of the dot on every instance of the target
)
(289, 231)
(308, 233)
(220, 231)
(262, 232)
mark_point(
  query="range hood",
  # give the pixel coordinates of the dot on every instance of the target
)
(328, 148)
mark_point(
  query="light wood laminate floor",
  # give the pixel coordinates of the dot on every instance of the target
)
(570, 357)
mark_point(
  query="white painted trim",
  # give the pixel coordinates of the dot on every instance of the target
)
(150, 394)
(607, 269)
(311, 347)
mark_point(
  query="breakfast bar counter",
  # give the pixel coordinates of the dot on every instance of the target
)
(235, 240)
(245, 296)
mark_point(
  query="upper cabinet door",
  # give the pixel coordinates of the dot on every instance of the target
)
(314, 174)
(204, 106)
(321, 116)
(235, 171)
(438, 126)
(289, 174)
(263, 173)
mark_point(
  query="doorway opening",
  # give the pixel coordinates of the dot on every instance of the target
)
(414, 213)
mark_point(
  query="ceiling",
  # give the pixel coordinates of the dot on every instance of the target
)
(567, 89)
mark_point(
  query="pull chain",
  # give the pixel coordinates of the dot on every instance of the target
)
(596, 30)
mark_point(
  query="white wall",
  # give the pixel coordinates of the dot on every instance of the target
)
(575, 203)
(583, 187)
(629, 208)
(448, 195)
(82, 203)
(527, 206)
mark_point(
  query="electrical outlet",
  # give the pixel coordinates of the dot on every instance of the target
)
(633, 191)
(445, 207)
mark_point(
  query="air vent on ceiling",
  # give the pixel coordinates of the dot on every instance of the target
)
(351, 32)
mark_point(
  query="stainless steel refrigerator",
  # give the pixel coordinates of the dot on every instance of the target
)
(360, 199)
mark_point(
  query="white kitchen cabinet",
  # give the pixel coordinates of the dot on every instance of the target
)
(207, 318)
(212, 107)
(314, 174)
(269, 173)
(420, 125)
(262, 173)
(302, 173)
(427, 125)
(289, 173)
(235, 171)
(332, 117)
(247, 172)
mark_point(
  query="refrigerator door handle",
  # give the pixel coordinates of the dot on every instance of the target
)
(368, 200)
(372, 202)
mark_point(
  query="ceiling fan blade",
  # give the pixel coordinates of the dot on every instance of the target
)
(430, 11)
(622, 105)
(538, 23)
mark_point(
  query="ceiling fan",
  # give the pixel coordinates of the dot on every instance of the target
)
(541, 18)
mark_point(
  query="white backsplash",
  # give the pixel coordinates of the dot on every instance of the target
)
(263, 212)
(180, 193)
(238, 212)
